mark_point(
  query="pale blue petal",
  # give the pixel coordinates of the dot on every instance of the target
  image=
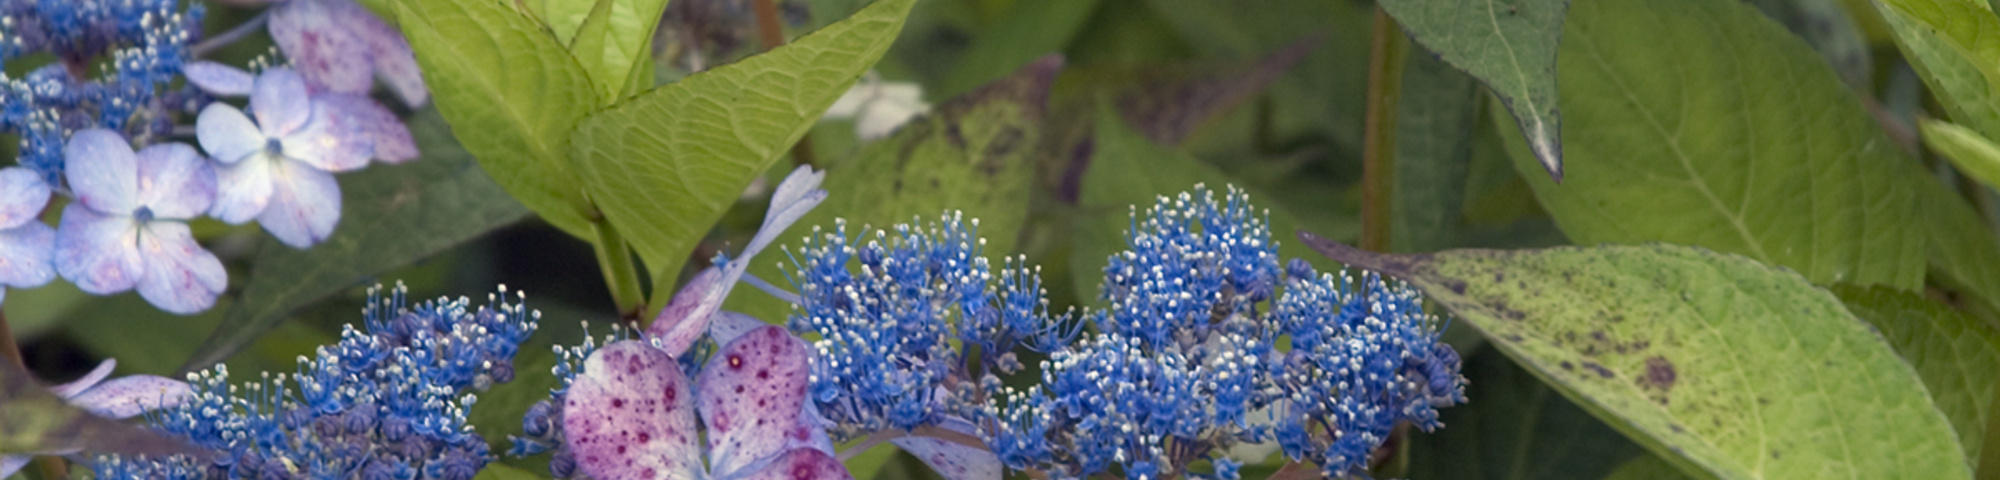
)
(11, 464)
(242, 190)
(280, 101)
(125, 397)
(22, 196)
(97, 252)
(953, 460)
(174, 181)
(27, 255)
(103, 173)
(336, 139)
(796, 196)
(305, 205)
(377, 126)
(98, 374)
(181, 277)
(218, 79)
(227, 134)
(315, 37)
(630, 413)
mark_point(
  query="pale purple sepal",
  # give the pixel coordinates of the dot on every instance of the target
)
(88, 380)
(395, 62)
(174, 182)
(280, 102)
(332, 141)
(227, 134)
(97, 252)
(180, 277)
(630, 414)
(27, 255)
(684, 320)
(686, 316)
(752, 390)
(953, 460)
(340, 46)
(798, 464)
(725, 326)
(22, 196)
(103, 172)
(304, 206)
(125, 397)
(373, 125)
(218, 79)
(245, 189)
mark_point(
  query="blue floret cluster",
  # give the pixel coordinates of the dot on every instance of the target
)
(147, 41)
(389, 402)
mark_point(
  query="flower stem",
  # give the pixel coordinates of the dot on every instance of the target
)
(1378, 150)
(614, 258)
(225, 38)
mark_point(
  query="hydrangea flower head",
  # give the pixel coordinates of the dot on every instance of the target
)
(127, 227)
(277, 169)
(118, 399)
(27, 246)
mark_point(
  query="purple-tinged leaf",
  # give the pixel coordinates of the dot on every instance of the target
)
(218, 79)
(125, 397)
(686, 316)
(751, 398)
(798, 464)
(953, 460)
(630, 416)
(22, 196)
(36, 420)
(88, 380)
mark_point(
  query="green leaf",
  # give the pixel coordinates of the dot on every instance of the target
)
(1726, 367)
(1955, 354)
(1967, 150)
(1027, 31)
(1703, 123)
(512, 95)
(1508, 45)
(393, 215)
(615, 42)
(1515, 428)
(1127, 173)
(973, 154)
(36, 420)
(663, 166)
(1963, 253)
(563, 18)
(1439, 107)
(1647, 467)
(1955, 46)
(495, 471)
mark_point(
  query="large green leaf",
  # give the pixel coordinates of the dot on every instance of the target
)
(1955, 46)
(1971, 152)
(1701, 122)
(1955, 354)
(1027, 31)
(496, 471)
(973, 154)
(616, 42)
(1726, 367)
(1439, 107)
(1516, 428)
(1647, 467)
(1963, 253)
(663, 166)
(512, 95)
(1127, 173)
(1508, 45)
(394, 215)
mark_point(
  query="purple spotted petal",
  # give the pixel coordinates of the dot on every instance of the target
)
(375, 125)
(796, 196)
(279, 100)
(227, 134)
(305, 205)
(751, 396)
(11, 464)
(97, 252)
(125, 397)
(218, 79)
(725, 326)
(98, 374)
(174, 181)
(629, 415)
(799, 464)
(243, 190)
(22, 196)
(686, 316)
(333, 141)
(314, 36)
(102, 171)
(395, 63)
(180, 277)
(954, 461)
(27, 255)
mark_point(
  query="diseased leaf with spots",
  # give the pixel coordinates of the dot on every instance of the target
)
(664, 165)
(973, 153)
(395, 215)
(1955, 47)
(1508, 45)
(1955, 354)
(1701, 122)
(1722, 365)
(1515, 428)
(512, 95)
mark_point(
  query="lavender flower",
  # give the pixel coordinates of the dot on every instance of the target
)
(340, 47)
(127, 227)
(27, 246)
(278, 169)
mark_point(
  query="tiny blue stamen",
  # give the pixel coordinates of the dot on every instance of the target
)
(143, 214)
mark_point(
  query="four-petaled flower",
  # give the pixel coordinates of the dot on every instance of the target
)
(127, 227)
(277, 169)
(118, 399)
(26, 245)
